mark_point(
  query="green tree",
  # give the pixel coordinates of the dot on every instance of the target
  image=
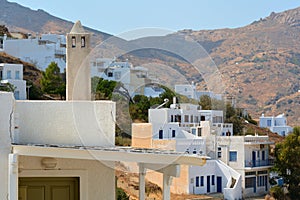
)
(139, 109)
(52, 82)
(277, 192)
(287, 162)
(205, 102)
(94, 83)
(35, 92)
(8, 87)
(105, 89)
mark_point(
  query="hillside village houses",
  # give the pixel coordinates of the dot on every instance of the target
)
(190, 91)
(47, 48)
(239, 165)
(66, 149)
(13, 74)
(40, 50)
(136, 80)
(276, 124)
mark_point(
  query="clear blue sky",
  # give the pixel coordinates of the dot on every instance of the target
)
(116, 17)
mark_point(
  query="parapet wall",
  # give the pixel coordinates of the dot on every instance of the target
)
(80, 123)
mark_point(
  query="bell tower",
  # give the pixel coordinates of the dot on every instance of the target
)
(78, 67)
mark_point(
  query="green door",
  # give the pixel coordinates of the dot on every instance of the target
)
(49, 188)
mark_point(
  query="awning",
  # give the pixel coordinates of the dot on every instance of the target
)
(123, 154)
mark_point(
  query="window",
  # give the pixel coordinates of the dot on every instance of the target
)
(8, 74)
(196, 119)
(261, 181)
(186, 118)
(1, 74)
(197, 181)
(191, 118)
(250, 182)
(202, 118)
(110, 74)
(17, 95)
(269, 122)
(172, 118)
(17, 74)
(262, 172)
(82, 41)
(263, 155)
(193, 131)
(219, 152)
(199, 132)
(192, 180)
(213, 180)
(233, 156)
(73, 42)
(160, 134)
(195, 151)
(178, 118)
(173, 133)
(202, 181)
(250, 173)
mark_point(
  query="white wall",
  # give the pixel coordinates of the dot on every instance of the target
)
(30, 51)
(66, 122)
(216, 168)
(198, 145)
(6, 130)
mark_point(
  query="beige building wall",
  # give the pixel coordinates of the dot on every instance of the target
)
(78, 67)
(91, 173)
(179, 185)
(141, 135)
(142, 138)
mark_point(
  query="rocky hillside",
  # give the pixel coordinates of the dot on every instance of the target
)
(259, 63)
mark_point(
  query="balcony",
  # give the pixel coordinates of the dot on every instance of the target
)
(257, 140)
(259, 163)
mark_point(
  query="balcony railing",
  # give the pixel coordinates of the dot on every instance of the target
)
(259, 163)
(257, 140)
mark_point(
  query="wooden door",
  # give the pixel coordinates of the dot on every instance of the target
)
(49, 188)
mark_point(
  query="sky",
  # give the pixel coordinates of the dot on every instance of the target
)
(116, 17)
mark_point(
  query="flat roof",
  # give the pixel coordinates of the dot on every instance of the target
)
(124, 154)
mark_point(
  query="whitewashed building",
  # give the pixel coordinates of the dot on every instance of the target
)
(13, 74)
(239, 165)
(40, 51)
(190, 91)
(135, 79)
(276, 124)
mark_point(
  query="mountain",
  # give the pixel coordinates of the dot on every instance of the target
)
(259, 63)
(22, 19)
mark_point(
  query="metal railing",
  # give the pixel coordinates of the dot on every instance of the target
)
(259, 163)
